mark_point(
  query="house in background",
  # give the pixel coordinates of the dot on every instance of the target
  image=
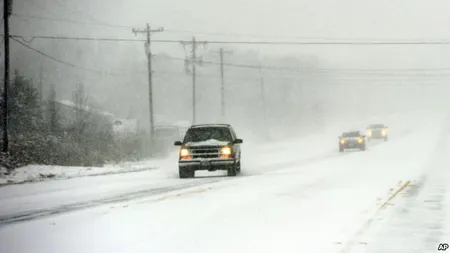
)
(68, 111)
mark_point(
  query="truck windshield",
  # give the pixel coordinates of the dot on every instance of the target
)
(207, 133)
(351, 134)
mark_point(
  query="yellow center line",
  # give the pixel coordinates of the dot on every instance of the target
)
(351, 242)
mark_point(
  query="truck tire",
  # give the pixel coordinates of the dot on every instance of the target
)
(341, 150)
(232, 171)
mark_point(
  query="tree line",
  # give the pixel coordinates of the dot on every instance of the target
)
(40, 131)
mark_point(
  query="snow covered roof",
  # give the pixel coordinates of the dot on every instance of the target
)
(211, 125)
(86, 108)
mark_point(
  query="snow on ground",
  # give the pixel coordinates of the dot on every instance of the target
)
(420, 220)
(314, 207)
(36, 173)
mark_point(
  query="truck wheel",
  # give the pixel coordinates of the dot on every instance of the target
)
(386, 138)
(341, 150)
(238, 167)
(363, 148)
(232, 171)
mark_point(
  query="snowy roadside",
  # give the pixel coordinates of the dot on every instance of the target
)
(38, 173)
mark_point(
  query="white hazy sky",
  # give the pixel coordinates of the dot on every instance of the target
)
(283, 19)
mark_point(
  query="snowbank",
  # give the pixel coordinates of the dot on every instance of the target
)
(36, 173)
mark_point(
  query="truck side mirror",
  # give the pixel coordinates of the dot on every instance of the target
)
(177, 143)
(238, 141)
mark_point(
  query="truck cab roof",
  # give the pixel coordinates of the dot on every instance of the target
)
(210, 125)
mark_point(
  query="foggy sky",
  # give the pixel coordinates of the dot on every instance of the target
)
(281, 19)
(260, 20)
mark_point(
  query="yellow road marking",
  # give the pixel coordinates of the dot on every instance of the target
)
(353, 240)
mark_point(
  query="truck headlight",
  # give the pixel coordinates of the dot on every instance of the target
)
(369, 133)
(342, 141)
(383, 132)
(360, 140)
(184, 152)
(225, 151)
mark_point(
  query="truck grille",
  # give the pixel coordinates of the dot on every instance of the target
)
(205, 152)
(376, 132)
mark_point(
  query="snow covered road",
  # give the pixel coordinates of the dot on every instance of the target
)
(304, 198)
(29, 201)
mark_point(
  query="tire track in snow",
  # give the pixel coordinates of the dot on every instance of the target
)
(34, 214)
(42, 213)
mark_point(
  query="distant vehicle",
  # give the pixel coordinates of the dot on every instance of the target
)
(352, 140)
(377, 131)
(209, 147)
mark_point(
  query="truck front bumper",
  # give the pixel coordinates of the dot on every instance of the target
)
(210, 164)
(377, 136)
(351, 145)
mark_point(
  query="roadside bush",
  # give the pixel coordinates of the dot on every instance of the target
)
(37, 135)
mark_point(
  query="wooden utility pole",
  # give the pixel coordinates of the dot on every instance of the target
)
(7, 10)
(149, 32)
(222, 90)
(41, 83)
(194, 61)
(263, 100)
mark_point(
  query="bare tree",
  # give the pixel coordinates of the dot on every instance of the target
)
(82, 111)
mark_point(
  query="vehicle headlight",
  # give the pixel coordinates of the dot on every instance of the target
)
(369, 133)
(184, 152)
(225, 151)
(342, 141)
(360, 140)
(383, 132)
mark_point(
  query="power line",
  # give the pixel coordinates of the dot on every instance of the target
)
(305, 70)
(323, 71)
(273, 43)
(19, 15)
(23, 38)
(63, 62)
(331, 43)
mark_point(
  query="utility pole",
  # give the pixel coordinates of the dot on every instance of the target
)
(41, 83)
(263, 98)
(7, 10)
(194, 61)
(222, 90)
(148, 51)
